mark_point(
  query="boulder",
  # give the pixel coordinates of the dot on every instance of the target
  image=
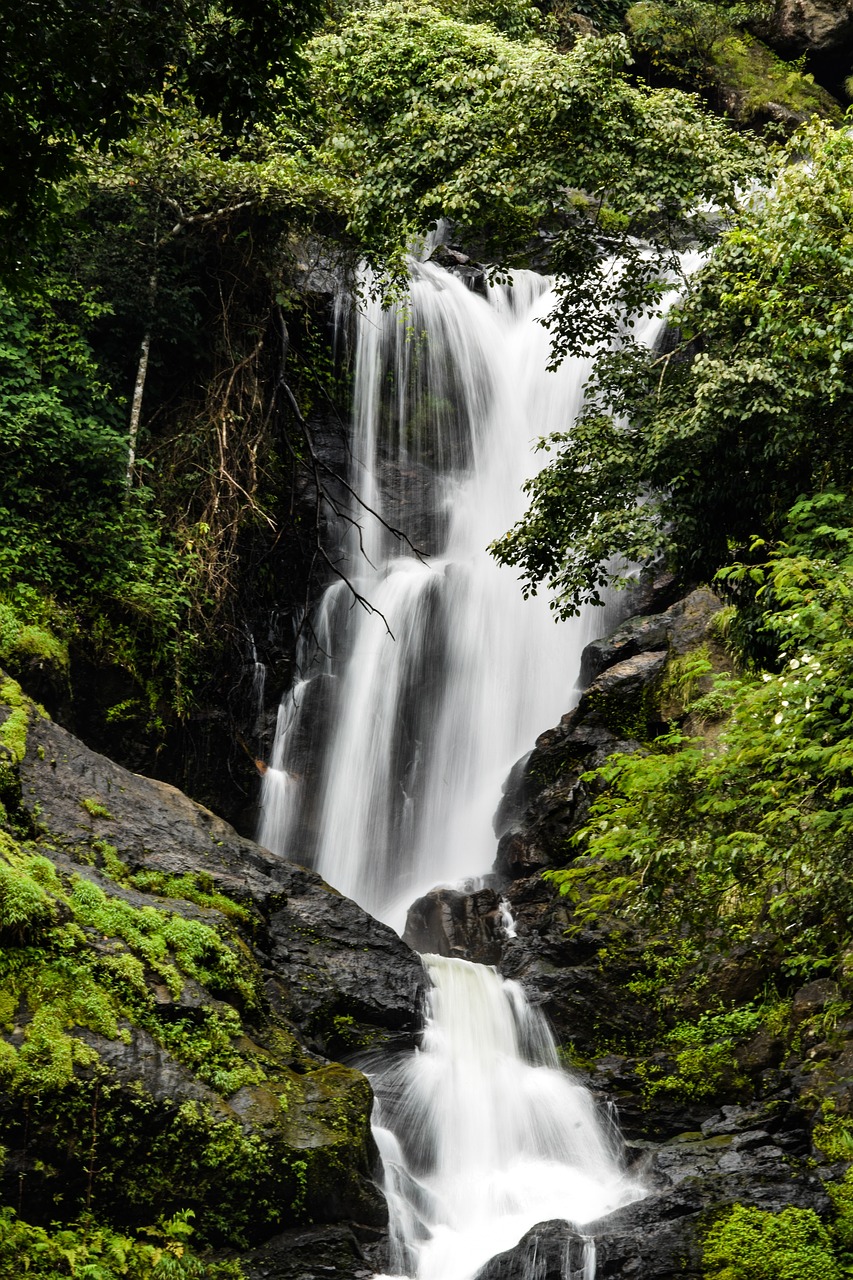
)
(324, 957)
(304, 1254)
(809, 26)
(681, 627)
(171, 1001)
(448, 922)
(549, 1251)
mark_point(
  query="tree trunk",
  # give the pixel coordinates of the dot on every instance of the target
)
(136, 406)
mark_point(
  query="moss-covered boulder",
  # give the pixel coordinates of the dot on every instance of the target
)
(169, 997)
(694, 45)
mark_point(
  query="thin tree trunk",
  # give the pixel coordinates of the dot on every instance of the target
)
(136, 406)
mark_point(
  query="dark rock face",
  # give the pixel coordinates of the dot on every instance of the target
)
(324, 957)
(330, 960)
(679, 628)
(303, 1254)
(546, 796)
(817, 26)
(446, 922)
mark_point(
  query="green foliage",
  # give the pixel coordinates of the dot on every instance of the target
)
(90, 1250)
(192, 887)
(698, 44)
(841, 1195)
(716, 439)
(23, 639)
(517, 19)
(703, 1052)
(834, 1136)
(69, 75)
(430, 117)
(94, 808)
(754, 830)
(751, 1244)
(85, 542)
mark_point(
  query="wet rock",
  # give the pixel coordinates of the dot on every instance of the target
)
(549, 1251)
(446, 922)
(546, 797)
(314, 1253)
(345, 979)
(325, 957)
(681, 627)
(622, 699)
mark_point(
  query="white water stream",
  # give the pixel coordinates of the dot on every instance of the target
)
(391, 750)
(518, 1141)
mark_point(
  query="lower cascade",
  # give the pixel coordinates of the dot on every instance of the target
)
(482, 1135)
(392, 746)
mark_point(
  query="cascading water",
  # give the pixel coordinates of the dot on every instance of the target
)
(391, 750)
(448, 396)
(483, 1136)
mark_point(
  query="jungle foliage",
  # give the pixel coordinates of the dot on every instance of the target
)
(176, 179)
(689, 452)
(161, 360)
(748, 833)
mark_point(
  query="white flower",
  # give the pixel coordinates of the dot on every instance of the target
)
(777, 719)
(794, 663)
(766, 677)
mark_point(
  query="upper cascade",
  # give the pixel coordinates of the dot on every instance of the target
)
(407, 719)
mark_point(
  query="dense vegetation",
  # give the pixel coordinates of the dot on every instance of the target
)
(175, 205)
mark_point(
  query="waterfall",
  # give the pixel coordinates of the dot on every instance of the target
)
(391, 749)
(483, 1136)
(450, 392)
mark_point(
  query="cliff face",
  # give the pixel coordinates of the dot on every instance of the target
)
(173, 999)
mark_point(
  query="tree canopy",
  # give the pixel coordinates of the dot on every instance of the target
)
(688, 452)
(72, 71)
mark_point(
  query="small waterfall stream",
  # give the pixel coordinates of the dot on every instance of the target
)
(391, 749)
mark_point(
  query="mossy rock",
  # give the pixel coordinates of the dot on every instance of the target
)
(693, 45)
(132, 1090)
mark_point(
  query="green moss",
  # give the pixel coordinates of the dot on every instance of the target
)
(841, 1195)
(95, 809)
(694, 44)
(191, 887)
(24, 635)
(13, 730)
(629, 715)
(752, 1244)
(834, 1135)
(748, 67)
(110, 863)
